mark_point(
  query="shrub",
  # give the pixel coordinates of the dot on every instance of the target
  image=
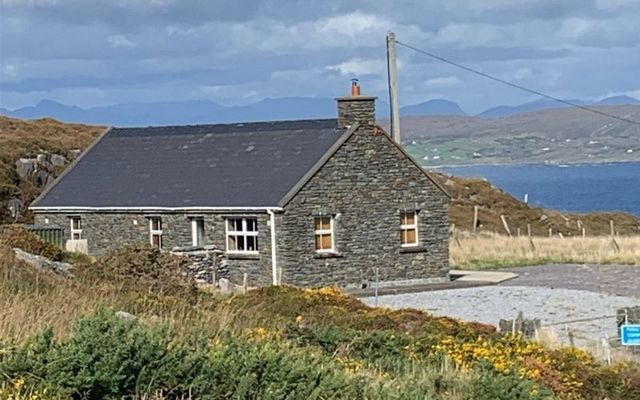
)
(493, 386)
(143, 266)
(17, 236)
(107, 356)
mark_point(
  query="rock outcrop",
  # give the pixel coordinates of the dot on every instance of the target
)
(39, 170)
(44, 264)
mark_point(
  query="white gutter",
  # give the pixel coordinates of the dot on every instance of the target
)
(274, 266)
(150, 209)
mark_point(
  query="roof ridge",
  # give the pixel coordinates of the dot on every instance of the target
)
(229, 124)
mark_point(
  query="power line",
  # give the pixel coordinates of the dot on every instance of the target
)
(515, 85)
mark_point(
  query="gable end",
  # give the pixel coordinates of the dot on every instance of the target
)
(325, 158)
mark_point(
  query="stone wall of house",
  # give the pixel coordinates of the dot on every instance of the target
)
(106, 232)
(365, 185)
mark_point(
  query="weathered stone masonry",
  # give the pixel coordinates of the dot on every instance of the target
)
(365, 185)
(106, 232)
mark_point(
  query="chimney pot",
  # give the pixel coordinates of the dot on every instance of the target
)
(355, 87)
(356, 109)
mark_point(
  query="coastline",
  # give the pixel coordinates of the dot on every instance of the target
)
(532, 163)
(581, 188)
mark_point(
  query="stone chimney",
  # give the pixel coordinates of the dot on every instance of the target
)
(356, 108)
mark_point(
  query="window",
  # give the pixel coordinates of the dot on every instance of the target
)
(409, 228)
(155, 232)
(197, 231)
(76, 228)
(242, 235)
(324, 233)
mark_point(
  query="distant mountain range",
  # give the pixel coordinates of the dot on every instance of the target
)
(544, 104)
(200, 112)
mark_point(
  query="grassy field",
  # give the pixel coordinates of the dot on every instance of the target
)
(489, 251)
(272, 343)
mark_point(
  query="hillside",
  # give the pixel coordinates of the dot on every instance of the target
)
(543, 103)
(493, 203)
(560, 136)
(24, 139)
(103, 335)
(27, 140)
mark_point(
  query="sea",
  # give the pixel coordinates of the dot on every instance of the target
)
(575, 188)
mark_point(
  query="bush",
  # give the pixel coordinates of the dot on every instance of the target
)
(108, 357)
(17, 236)
(494, 386)
(143, 266)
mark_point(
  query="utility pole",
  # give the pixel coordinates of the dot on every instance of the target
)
(392, 70)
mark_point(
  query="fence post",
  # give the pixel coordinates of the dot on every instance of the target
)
(245, 283)
(475, 218)
(612, 226)
(377, 284)
(531, 245)
(506, 226)
(607, 348)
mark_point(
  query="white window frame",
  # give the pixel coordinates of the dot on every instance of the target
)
(155, 232)
(75, 230)
(406, 227)
(244, 233)
(329, 231)
(195, 236)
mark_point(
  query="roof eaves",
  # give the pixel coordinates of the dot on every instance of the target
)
(151, 209)
(319, 164)
(46, 191)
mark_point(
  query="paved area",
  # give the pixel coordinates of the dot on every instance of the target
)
(620, 280)
(554, 307)
(578, 298)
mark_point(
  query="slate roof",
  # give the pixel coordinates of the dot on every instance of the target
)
(225, 165)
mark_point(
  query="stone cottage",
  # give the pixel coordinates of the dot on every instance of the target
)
(308, 203)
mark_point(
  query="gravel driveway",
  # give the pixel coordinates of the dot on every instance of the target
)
(556, 294)
(620, 280)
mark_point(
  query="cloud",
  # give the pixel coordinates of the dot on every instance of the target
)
(120, 41)
(522, 74)
(575, 28)
(148, 50)
(357, 67)
(444, 82)
(615, 5)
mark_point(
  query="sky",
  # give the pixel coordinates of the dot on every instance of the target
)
(100, 52)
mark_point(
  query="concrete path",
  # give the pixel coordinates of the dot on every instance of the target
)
(487, 277)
